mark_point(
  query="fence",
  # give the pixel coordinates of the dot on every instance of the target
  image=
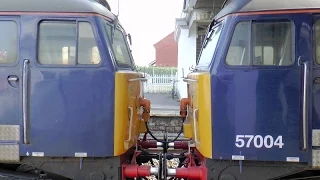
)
(160, 79)
(159, 83)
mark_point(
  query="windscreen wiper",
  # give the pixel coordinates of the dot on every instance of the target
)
(115, 24)
(213, 22)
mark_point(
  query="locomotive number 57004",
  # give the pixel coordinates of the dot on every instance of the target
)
(258, 141)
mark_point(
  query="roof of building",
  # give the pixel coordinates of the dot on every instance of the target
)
(171, 34)
(236, 6)
(67, 6)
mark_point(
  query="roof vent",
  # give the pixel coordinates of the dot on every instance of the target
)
(104, 3)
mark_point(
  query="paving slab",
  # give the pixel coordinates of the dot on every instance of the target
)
(163, 105)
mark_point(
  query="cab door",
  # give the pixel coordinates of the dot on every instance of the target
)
(11, 66)
(260, 91)
(71, 91)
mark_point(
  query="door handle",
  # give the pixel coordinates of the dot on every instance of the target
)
(130, 126)
(25, 100)
(304, 104)
(195, 126)
(13, 78)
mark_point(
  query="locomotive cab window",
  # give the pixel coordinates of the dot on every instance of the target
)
(317, 40)
(9, 42)
(271, 44)
(119, 47)
(210, 45)
(238, 52)
(67, 43)
(88, 52)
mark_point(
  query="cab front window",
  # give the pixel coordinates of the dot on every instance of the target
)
(119, 47)
(209, 46)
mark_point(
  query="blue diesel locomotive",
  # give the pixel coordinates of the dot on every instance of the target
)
(253, 109)
(72, 101)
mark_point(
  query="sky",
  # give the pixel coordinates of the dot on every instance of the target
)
(148, 21)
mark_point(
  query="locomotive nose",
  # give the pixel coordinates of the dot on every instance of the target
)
(131, 110)
(196, 109)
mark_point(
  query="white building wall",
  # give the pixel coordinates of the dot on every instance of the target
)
(186, 56)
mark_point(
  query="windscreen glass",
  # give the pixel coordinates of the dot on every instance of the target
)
(209, 46)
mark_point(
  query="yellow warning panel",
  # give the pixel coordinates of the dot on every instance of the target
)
(199, 122)
(128, 119)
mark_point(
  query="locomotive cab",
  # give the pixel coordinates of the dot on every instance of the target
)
(252, 108)
(72, 101)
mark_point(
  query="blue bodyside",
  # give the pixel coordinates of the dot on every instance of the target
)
(71, 109)
(261, 100)
(10, 110)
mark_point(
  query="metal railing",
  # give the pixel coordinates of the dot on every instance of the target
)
(160, 83)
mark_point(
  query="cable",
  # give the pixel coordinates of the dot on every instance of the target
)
(163, 157)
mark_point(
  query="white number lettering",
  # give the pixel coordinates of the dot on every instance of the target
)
(278, 142)
(258, 141)
(250, 139)
(241, 141)
(266, 143)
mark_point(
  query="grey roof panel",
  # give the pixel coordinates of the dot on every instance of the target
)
(67, 6)
(280, 5)
(264, 5)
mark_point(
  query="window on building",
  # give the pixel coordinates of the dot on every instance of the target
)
(58, 44)
(119, 47)
(9, 42)
(271, 44)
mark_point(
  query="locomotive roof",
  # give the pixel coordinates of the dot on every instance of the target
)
(235, 6)
(66, 6)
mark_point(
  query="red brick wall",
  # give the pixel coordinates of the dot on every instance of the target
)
(167, 52)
